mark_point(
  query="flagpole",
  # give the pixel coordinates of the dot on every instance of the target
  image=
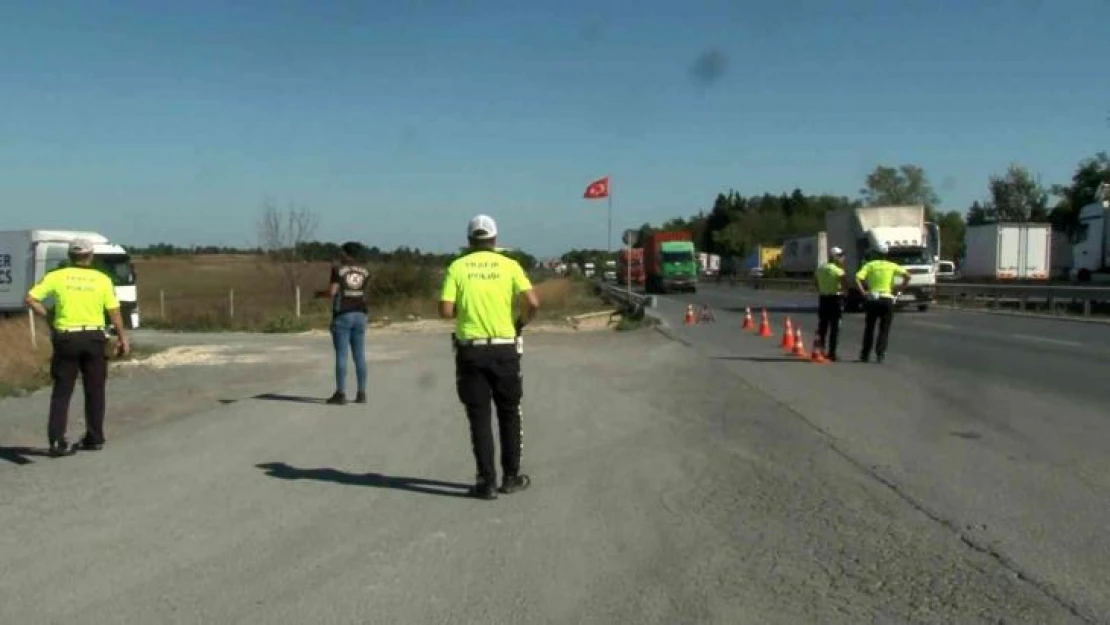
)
(609, 240)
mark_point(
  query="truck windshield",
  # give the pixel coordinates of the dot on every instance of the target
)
(678, 257)
(909, 257)
(118, 267)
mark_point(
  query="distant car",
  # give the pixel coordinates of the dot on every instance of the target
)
(946, 270)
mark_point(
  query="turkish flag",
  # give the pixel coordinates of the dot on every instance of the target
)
(597, 189)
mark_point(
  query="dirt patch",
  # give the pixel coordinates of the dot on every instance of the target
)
(210, 355)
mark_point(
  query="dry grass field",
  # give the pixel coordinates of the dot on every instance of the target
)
(215, 293)
(21, 364)
(248, 293)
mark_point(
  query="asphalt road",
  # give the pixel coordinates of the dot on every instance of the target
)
(995, 425)
(667, 489)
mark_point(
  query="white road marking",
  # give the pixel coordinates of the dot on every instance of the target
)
(1042, 339)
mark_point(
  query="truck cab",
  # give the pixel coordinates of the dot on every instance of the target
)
(51, 251)
(907, 248)
(1091, 242)
(670, 262)
(901, 230)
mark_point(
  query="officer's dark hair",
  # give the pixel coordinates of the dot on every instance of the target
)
(484, 243)
(350, 250)
(79, 259)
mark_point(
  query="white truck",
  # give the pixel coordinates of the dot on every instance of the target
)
(1091, 245)
(1008, 251)
(911, 241)
(610, 270)
(28, 255)
(801, 256)
(709, 264)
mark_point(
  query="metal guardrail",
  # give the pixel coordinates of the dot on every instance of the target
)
(1084, 300)
(629, 300)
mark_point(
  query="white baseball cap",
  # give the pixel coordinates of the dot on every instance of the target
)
(481, 227)
(80, 246)
(836, 251)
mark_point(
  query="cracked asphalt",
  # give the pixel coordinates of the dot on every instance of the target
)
(666, 488)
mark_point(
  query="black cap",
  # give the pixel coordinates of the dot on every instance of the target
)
(351, 248)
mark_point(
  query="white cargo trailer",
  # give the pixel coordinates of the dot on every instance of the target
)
(801, 256)
(1008, 251)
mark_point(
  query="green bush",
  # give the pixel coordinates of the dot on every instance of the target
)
(285, 323)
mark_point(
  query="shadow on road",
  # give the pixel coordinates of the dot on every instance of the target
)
(376, 480)
(766, 359)
(21, 455)
(293, 398)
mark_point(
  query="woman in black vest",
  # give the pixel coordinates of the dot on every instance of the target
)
(349, 317)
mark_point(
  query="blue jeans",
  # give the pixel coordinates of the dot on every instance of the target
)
(348, 330)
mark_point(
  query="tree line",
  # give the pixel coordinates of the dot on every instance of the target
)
(736, 224)
(309, 251)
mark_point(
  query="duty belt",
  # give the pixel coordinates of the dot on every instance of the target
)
(488, 341)
(81, 329)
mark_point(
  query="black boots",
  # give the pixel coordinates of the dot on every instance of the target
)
(483, 489)
(339, 399)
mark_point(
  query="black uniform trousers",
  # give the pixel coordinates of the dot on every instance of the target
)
(484, 373)
(829, 311)
(882, 311)
(84, 353)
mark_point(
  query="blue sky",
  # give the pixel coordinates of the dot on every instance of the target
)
(396, 121)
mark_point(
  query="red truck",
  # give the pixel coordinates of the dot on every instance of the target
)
(633, 268)
(670, 262)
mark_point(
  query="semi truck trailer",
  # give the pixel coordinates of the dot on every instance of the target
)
(630, 265)
(801, 256)
(1008, 251)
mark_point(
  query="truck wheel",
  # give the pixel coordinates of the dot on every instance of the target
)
(922, 307)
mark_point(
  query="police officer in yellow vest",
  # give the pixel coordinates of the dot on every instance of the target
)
(832, 282)
(881, 295)
(82, 295)
(478, 291)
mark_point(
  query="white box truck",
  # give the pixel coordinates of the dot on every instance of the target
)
(912, 242)
(28, 255)
(1008, 251)
(801, 256)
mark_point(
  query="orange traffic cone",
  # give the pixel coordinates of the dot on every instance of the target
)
(818, 353)
(787, 335)
(690, 320)
(765, 326)
(799, 345)
(749, 323)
